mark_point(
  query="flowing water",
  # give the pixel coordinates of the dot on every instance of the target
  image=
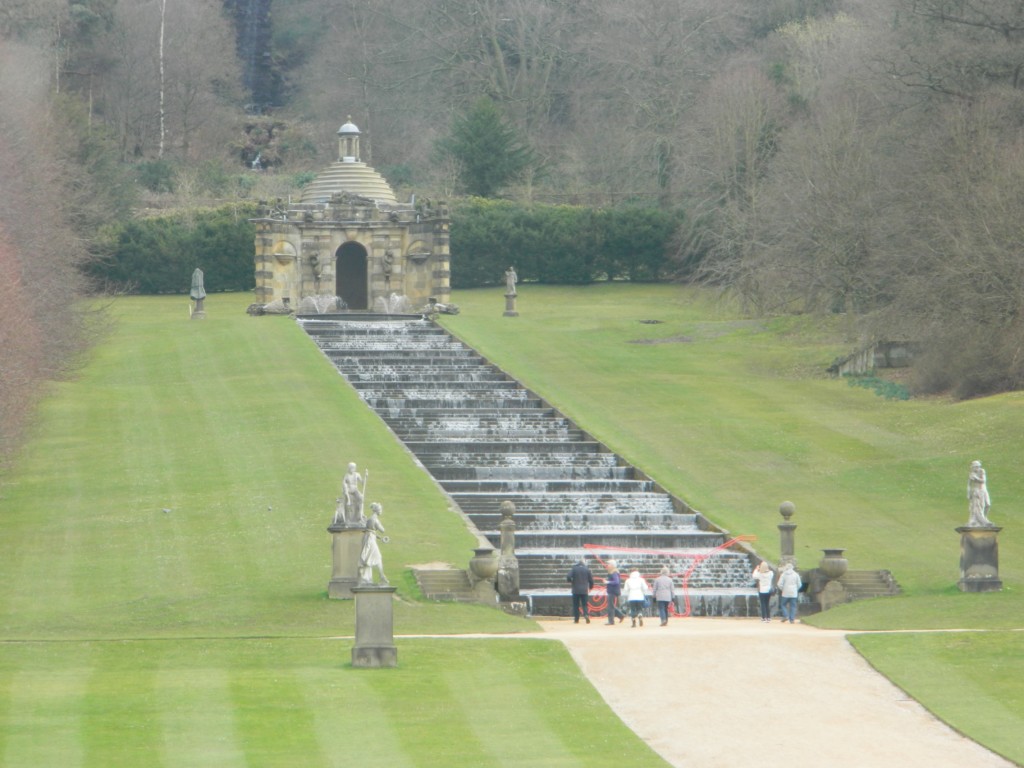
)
(486, 440)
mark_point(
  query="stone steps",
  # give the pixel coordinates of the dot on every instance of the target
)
(486, 439)
(865, 584)
(644, 506)
(445, 584)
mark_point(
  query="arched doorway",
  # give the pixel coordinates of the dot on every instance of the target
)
(351, 281)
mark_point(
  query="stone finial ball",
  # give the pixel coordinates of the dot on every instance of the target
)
(786, 509)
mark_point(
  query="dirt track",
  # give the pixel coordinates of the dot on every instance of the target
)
(717, 693)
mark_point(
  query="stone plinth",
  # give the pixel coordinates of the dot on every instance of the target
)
(346, 543)
(832, 595)
(199, 312)
(979, 559)
(510, 306)
(375, 636)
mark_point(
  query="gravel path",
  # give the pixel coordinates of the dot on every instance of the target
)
(717, 693)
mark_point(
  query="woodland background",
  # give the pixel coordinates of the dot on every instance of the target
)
(862, 157)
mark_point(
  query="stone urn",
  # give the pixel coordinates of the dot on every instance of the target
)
(484, 564)
(833, 564)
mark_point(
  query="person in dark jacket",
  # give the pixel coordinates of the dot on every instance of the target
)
(582, 581)
(613, 587)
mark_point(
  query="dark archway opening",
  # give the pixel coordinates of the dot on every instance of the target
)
(352, 281)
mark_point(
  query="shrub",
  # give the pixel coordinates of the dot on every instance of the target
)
(558, 244)
(158, 255)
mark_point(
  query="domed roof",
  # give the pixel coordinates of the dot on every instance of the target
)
(348, 174)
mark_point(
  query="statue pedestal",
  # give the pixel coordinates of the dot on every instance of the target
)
(199, 313)
(510, 306)
(979, 558)
(832, 595)
(375, 634)
(346, 544)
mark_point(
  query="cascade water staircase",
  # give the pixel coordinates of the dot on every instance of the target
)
(486, 439)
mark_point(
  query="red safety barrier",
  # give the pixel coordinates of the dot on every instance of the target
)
(599, 597)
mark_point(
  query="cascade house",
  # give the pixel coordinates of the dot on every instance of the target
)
(349, 237)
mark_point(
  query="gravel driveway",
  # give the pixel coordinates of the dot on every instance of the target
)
(717, 693)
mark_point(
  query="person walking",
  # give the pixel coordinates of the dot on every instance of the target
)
(582, 581)
(613, 588)
(789, 587)
(764, 576)
(664, 593)
(636, 591)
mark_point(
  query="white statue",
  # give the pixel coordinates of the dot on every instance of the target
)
(511, 278)
(978, 500)
(353, 491)
(369, 556)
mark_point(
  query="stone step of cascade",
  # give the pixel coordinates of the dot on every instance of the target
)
(404, 377)
(554, 472)
(462, 415)
(461, 488)
(441, 435)
(572, 506)
(520, 462)
(441, 389)
(728, 602)
(523, 419)
(623, 538)
(540, 569)
(455, 400)
(472, 449)
(486, 439)
(349, 359)
(604, 521)
(487, 425)
(456, 360)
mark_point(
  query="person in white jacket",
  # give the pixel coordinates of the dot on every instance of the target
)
(789, 588)
(636, 590)
(764, 576)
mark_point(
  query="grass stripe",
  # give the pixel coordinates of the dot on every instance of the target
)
(40, 717)
(197, 722)
(983, 669)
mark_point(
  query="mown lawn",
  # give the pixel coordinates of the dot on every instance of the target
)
(165, 557)
(296, 702)
(165, 563)
(736, 415)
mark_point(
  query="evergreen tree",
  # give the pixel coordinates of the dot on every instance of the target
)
(486, 150)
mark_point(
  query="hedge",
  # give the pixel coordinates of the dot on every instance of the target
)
(158, 255)
(556, 244)
(559, 244)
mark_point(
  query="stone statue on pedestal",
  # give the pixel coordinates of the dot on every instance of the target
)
(511, 278)
(353, 491)
(370, 557)
(978, 500)
(198, 293)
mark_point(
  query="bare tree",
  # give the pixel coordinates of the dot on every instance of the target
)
(40, 326)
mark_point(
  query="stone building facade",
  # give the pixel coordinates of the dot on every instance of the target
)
(349, 237)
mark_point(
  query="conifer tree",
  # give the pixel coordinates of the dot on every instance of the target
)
(486, 151)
